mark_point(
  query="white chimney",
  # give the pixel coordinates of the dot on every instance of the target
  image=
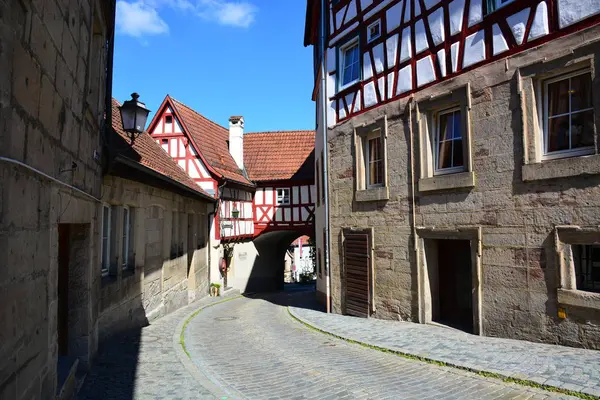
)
(236, 140)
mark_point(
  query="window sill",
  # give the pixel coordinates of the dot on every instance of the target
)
(562, 168)
(373, 194)
(127, 272)
(448, 181)
(579, 298)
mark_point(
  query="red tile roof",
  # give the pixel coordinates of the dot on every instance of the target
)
(211, 142)
(270, 156)
(152, 156)
(304, 239)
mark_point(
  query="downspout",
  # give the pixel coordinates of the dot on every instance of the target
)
(411, 108)
(323, 123)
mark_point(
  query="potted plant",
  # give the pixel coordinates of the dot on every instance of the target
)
(235, 213)
(215, 289)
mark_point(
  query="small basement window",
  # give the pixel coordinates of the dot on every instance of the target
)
(587, 267)
(374, 31)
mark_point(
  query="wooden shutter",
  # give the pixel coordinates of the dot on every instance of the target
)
(357, 271)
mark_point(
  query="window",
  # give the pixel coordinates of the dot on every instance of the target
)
(168, 119)
(370, 152)
(283, 196)
(374, 31)
(350, 68)
(568, 116)
(106, 231)
(374, 159)
(127, 238)
(587, 267)
(449, 142)
(493, 5)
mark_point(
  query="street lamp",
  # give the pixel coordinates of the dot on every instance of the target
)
(134, 115)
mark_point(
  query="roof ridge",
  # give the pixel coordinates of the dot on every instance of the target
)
(197, 113)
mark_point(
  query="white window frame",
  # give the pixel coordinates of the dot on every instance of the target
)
(369, 37)
(451, 170)
(371, 136)
(581, 151)
(105, 251)
(126, 237)
(284, 196)
(345, 47)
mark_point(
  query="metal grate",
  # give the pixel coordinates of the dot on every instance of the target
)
(587, 267)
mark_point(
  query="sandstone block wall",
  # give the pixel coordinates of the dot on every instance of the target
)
(47, 122)
(160, 283)
(517, 216)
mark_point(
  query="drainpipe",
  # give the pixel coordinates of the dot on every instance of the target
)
(323, 123)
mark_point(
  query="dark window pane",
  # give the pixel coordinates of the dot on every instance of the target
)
(558, 97)
(458, 154)
(457, 125)
(444, 155)
(581, 92)
(582, 129)
(558, 134)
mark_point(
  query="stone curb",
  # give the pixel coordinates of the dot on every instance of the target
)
(451, 364)
(200, 377)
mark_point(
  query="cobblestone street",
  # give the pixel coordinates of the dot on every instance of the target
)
(251, 348)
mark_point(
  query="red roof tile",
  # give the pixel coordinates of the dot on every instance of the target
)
(270, 156)
(151, 155)
(211, 140)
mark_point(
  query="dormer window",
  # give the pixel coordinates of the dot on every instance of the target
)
(374, 31)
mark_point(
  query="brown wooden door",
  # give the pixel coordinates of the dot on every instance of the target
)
(357, 270)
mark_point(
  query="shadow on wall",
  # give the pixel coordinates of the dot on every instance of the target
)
(267, 272)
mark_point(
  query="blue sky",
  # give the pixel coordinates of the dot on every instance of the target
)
(220, 57)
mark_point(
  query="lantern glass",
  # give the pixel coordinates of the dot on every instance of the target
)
(134, 115)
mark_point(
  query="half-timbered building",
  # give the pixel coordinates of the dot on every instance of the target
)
(262, 183)
(464, 162)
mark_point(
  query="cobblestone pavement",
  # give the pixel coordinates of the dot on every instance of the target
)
(145, 365)
(253, 349)
(565, 367)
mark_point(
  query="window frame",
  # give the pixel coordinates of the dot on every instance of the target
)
(451, 170)
(105, 251)
(373, 135)
(373, 38)
(167, 117)
(544, 114)
(126, 237)
(280, 200)
(341, 53)
(495, 5)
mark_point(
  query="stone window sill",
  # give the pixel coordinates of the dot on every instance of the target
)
(373, 194)
(562, 168)
(579, 298)
(108, 280)
(449, 181)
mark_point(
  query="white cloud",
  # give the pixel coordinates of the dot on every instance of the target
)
(139, 19)
(142, 18)
(235, 14)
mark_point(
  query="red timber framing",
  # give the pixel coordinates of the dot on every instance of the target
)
(467, 42)
(236, 227)
(299, 214)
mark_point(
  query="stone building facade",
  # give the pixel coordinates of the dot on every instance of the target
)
(54, 61)
(154, 248)
(458, 195)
